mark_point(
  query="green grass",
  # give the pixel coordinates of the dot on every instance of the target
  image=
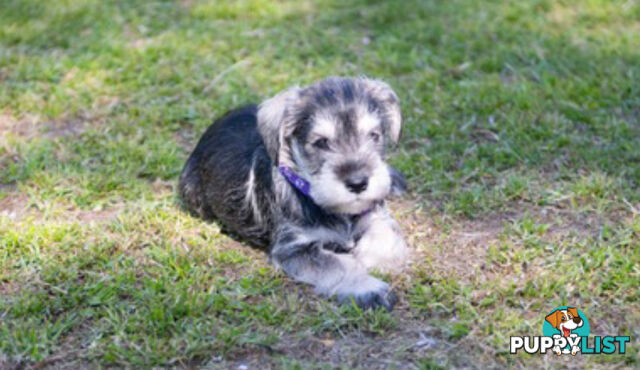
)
(520, 143)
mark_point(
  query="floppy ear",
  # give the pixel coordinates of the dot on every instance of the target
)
(554, 318)
(271, 115)
(573, 311)
(390, 105)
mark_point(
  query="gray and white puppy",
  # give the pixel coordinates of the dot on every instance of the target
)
(303, 174)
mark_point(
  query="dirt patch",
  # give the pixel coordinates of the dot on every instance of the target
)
(457, 249)
(31, 126)
(23, 127)
(15, 205)
(55, 129)
(402, 349)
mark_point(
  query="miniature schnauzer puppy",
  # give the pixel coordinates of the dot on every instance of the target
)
(303, 174)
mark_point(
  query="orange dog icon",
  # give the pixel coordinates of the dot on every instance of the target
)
(565, 321)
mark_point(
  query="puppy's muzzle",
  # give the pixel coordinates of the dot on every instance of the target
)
(355, 176)
(357, 183)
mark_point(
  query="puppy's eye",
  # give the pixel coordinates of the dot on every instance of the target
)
(322, 143)
(563, 319)
(375, 136)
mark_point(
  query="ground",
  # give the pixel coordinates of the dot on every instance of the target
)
(520, 144)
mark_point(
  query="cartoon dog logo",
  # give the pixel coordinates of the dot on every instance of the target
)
(565, 321)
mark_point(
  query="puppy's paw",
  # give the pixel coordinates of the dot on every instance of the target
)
(575, 350)
(381, 251)
(382, 246)
(369, 293)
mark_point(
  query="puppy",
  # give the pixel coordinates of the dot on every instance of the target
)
(565, 321)
(303, 174)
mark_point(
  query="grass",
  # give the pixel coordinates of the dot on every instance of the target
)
(520, 145)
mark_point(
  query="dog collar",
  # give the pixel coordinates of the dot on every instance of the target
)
(305, 187)
(298, 182)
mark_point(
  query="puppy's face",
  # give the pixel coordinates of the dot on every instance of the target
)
(333, 134)
(565, 320)
(340, 152)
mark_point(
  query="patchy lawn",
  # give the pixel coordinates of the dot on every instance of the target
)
(521, 145)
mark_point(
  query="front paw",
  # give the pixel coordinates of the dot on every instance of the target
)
(382, 252)
(370, 293)
(575, 350)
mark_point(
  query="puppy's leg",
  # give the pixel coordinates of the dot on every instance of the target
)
(574, 349)
(302, 256)
(556, 349)
(381, 244)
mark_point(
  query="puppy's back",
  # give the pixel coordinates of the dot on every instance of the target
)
(227, 177)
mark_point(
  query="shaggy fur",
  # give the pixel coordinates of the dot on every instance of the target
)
(333, 134)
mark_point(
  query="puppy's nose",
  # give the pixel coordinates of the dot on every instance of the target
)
(577, 320)
(357, 184)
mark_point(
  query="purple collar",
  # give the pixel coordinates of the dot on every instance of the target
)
(305, 187)
(298, 182)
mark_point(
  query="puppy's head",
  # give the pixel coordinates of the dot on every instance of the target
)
(565, 320)
(334, 133)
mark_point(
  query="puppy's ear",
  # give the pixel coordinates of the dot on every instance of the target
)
(554, 318)
(390, 105)
(573, 311)
(271, 115)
